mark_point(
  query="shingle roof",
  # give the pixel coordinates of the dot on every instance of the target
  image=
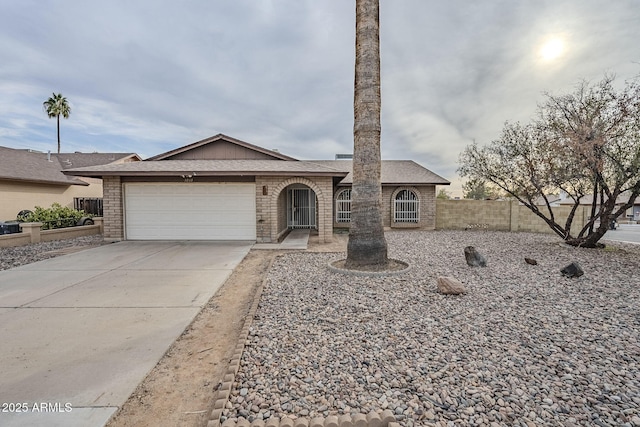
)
(28, 166)
(33, 166)
(208, 168)
(588, 199)
(80, 160)
(402, 172)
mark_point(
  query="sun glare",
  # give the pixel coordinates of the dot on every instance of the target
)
(552, 49)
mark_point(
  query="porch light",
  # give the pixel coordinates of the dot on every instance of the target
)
(188, 178)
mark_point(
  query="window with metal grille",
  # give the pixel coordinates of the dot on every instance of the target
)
(343, 206)
(406, 207)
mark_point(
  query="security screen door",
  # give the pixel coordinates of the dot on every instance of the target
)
(301, 212)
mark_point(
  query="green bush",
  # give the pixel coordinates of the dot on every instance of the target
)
(57, 216)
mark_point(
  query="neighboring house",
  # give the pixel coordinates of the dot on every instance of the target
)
(29, 179)
(553, 199)
(631, 214)
(222, 188)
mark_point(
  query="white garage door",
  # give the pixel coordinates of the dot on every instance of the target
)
(190, 211)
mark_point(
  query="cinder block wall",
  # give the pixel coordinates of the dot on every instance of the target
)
(501, 215)
(461, 214)
(112, 207)
(525, 220)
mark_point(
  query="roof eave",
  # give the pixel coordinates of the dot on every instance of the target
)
(201, 173)
(401, 183)
(44, 181)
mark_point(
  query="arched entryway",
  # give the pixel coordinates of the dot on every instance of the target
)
(299, 203)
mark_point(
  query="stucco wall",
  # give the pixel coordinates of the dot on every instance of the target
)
(18, 196)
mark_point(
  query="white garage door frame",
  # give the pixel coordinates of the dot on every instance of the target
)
(190, 211)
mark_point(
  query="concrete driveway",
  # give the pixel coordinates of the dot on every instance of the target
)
(79, 332)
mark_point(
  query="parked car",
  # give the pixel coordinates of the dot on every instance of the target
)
(13, 226)
(9, 227)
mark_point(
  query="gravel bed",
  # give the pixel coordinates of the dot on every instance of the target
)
(21, 255)
(524, 347)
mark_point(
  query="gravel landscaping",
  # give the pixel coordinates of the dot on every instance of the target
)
(21, 255)
(524, 346)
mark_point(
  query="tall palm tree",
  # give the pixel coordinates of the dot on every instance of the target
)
(367, 247)
(57, 106)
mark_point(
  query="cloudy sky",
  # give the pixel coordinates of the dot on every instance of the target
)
(149, 76)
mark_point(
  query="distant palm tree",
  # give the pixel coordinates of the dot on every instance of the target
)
(367, 247)
(57, 106)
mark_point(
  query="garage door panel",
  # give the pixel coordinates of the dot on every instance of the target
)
(190, 211)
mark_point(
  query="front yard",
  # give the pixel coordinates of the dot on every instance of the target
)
(524, 346)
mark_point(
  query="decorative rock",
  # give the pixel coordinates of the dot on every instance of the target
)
(330, 329)
(572, 270)
(530, 261)
(474, 258)
(450, 286)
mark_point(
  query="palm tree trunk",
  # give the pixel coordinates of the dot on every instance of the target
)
(367, 246)
(58, 117)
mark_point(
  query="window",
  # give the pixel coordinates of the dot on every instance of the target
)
(406, 207)
(343, 206)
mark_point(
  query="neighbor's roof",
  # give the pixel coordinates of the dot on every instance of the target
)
(209, 168)
(587, 199)
(401, 172)
(81, 160)
(30, 166)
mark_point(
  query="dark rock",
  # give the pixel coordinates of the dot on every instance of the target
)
(572, 270)
(530, 261)
(474, 258)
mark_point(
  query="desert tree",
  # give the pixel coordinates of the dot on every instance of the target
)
(582, 143)
(443, 194)
(56, 106)
(478, 190)
(367, 246)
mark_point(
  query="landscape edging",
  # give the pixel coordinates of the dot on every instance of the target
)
(372, 419)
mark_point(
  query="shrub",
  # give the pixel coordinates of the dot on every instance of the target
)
(57, 216)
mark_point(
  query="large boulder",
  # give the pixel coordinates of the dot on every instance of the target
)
(530, 261)
(474, 258)
(572, 270)
(450, 286)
